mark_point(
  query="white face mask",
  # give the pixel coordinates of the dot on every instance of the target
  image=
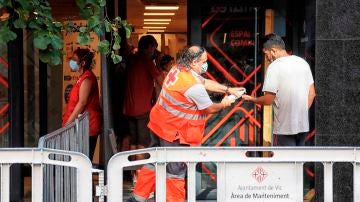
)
(204, 68)
(73, 65)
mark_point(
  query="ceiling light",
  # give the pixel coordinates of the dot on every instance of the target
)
(154, 27)
(161, 7)
(162, 14)
(158, 20)
(155, 30)
(156, 23)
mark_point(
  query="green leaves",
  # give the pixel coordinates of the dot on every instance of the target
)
(41, 40)
(108, 26)
(116, 46)
(103, 47)
(19, 23)
(83, 29)
(34, 25)
(36, 15)
(115, 58)
(25, 4)
(69, 26)
(93, 22)
(128, 30)
(118, 19)
(102, 3)
(117, 40)
(58, 24)
(6, 35)
(80, 3)
(52, 57)
(98, 31)
(3, 3)
(57, 42)
(84, 38)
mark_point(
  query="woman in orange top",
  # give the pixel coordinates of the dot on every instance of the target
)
(84, 95)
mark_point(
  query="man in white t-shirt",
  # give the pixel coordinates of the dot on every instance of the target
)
(289, 87)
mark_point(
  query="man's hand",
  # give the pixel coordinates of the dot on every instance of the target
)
(216, 107)
(226, 101)
(248, 98)
(267, 99)
(236, 91)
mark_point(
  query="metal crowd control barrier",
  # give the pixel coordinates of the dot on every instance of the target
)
(240, 176)
(72, 137)
(60, 181)
(38, 158)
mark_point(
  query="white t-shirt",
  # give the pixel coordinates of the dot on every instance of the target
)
(289, 78)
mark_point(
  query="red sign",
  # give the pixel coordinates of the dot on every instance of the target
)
(259, 174)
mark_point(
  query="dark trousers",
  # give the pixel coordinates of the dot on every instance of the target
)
(92, 146)
(290, 140)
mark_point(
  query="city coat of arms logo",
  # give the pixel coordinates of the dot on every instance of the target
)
(259, 174)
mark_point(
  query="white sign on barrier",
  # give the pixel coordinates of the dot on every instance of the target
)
(253, 182)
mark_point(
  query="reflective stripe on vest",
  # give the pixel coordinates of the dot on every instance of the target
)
(177, 103)
(177, 113)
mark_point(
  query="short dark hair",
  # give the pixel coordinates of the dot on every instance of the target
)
(165, 60)
(146, 42)
(274, 41)
(190, 54)
(84, 54)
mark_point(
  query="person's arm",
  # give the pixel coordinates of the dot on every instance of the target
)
(214, 86)
(216, 107)
(156, 73)
(84, 93)
(311, 95)
(219, 88)
(267, 99)
(160, 79)
(200, 97)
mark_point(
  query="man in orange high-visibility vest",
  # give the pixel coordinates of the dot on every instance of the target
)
(178, 119)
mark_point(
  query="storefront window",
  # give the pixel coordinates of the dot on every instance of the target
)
(4, 98)
(229, 34)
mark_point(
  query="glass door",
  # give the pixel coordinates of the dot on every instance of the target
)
(229, 32)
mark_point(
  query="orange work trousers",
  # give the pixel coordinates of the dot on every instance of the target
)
(175, 187)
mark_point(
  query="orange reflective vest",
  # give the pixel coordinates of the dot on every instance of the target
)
(174, 116)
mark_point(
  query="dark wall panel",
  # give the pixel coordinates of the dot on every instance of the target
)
(338, 85)
(341, 17)
(338, 73)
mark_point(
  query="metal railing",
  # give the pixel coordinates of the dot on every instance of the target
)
(38, 158)
(72, 137)
(238, 173)
(59, 182)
